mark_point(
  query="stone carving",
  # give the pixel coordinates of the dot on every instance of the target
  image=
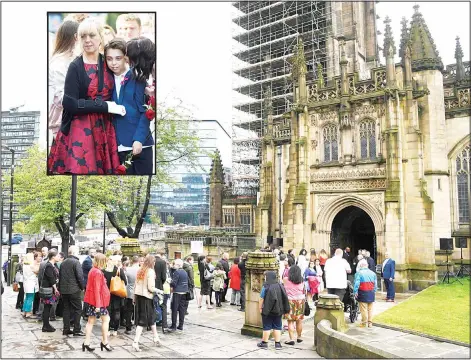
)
(314, 119)
(256, 283)
(448, 92)
(365, 110)
(338, 185)
(463, 97)
(328, 116)
(313, 144)
(346, 121)
(376, 200)
(322, 200)
(348, 174)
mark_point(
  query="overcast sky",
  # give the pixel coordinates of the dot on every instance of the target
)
(194, 48)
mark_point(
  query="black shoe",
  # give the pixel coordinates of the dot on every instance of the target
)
(180, 328)
(128, 332)
(171, 329)
(49, 329)
(242, 309)
(78, 333)
(232, 304)
(186, 313)
(158, 323)
(107, 347)
(278, 346)
(87, 347)
(263, 345)
(67, 332)
(53, 319)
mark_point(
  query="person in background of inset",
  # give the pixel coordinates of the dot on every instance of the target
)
(97, 297)
(35, 266)
(201, 265)
(234, 276)
(108, 34)
(370, 261)
(336, 270)
(71, 287)
(133, 134)
(116, 302)
(322, 260)
(179, 303)
(144, 291)
(364, 289)
(128, 26)
(273, 304)
(388, 272)
(62, 56)
(160, 269)
(49, 280)
(86, 141)
(243, 259)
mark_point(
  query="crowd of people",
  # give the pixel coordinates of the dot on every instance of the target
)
(103, 85)
(135, 292)
(118, 290)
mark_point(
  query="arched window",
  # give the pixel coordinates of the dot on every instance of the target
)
(331, 150)
(462, 181)
(367, 139)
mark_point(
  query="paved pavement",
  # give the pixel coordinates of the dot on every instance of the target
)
(213, 333)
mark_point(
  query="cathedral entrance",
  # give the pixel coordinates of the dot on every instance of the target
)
(354, 228)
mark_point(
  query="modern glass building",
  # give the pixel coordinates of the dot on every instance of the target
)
(188, 200)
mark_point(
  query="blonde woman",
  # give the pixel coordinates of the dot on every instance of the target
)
(144, 291)
(29, 284)
(86, 118)
(97, 298)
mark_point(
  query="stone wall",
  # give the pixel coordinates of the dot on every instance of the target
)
(332, 344)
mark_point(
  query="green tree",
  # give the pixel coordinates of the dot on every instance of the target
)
(19, 227)
(176, 140)
(45, 200)
(170, 220)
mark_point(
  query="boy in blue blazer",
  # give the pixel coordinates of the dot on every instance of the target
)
(133, 129)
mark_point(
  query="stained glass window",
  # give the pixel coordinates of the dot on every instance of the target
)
(331, 151)
(462, 180)
(367, 139)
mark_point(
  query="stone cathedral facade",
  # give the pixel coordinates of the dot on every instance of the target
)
(372, 156)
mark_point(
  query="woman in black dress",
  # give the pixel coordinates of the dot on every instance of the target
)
(116, 302)
(49, 280)
(206, 283)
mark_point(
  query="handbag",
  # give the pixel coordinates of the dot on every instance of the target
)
(190, 295)
(117, 286)
(307, 309)
(208, 275)
(16, 287)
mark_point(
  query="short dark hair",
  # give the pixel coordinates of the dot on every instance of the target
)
(294, 274)
(303, 252)
(62, 255)
(236, 261)
(135, 259)
(282, 257)
(116, 44)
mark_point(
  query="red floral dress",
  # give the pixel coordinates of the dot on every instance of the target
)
(90, 147)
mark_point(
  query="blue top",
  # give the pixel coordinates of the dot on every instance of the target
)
(263, 292)
(365, 285)
(134, 126)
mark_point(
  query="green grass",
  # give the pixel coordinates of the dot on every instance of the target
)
(440, 310)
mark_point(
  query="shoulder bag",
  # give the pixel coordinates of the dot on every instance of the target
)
(45, 292)
(208, 275)
(117, 286)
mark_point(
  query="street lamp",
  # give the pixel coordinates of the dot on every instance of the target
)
(10, 224)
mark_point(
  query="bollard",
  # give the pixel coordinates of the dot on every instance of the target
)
(329, 307)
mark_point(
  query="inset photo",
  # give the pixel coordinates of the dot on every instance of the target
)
(101, 93)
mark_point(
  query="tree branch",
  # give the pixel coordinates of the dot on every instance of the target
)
(79, 216)
(140, 221)
(112, 219)
(168, 161)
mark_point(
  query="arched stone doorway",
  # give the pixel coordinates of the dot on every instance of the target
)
(354, 228)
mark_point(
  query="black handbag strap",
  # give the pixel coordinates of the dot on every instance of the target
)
(101, 65)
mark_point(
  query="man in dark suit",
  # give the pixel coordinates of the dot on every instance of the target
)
(160, 269)
(387, 273)
(243, 271)
(371, 262)
(225, 266)
(346, 255)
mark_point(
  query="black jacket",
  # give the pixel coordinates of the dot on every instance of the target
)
(225, 265)
(371, 264)
(242, 270)
(86, 267)
(49, 277)
(160, 269)
(70, 276)
(76, 100)
(191, 277)
(179, 281)
(276, 301)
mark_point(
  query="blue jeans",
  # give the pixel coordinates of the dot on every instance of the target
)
(390, 292)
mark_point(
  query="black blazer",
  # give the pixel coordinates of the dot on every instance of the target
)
(76, 101)
(160, 269)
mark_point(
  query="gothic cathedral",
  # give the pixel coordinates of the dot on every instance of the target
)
(378, 156)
